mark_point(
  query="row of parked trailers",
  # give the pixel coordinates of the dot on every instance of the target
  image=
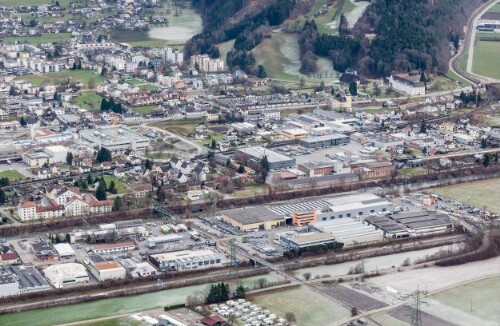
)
(169, 228)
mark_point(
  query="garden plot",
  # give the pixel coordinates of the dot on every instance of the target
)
(352, 298)
(405, 313)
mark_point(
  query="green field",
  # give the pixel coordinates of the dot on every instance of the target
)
(46, 38)
(495, 8)
(486, 59)
(16, 3)
(11, 175)
(89, 101)
(144, 109)
(474, 303)
(485, 193)
(82, 76)
(310, 308)
(120, 185)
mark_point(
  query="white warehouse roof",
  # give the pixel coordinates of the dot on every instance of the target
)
(64, 250)
(68, 273)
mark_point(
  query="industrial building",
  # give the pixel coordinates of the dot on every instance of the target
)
(307, 240)
(187, 260)
(163, 239)
(29, 278)
(349, 231)
(253, 218)
(357, 205)
(44, 251)
(320, 168)
(111, 248)
(106, 270)
(254, 155)
(64, 250)
(324, 141)
(48, 155)
(324, 181)
(412, 224)
(65, 274)
(8, 284)
(117, 139)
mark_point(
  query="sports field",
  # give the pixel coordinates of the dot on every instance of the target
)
(89, 102)
(309, 308)
(485, 193)
(486, 59)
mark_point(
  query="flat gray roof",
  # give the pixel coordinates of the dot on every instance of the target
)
(324, 138)
(252, 215)
(259, 152)
(332, 177)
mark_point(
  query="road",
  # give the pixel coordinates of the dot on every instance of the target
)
(468, 47)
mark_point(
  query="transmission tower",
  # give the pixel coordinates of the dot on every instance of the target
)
(233, 262)
(416, 317)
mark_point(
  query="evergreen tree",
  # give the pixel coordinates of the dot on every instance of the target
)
(23, 122)
(486, 160)
(261, 72)
(3, 197)
(12, 90)
(264, 168)
(148, 165)
(90, 179)
(103, 155)
(4, 182)
(241, 169)
(112, 187)
(353, 89)
(228, 162)
(240, 292)
(160, 195)
(69, 158)
(423, 127)
(214, 144)
(117, 204)
(100, 193)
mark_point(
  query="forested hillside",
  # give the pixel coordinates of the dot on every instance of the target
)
(392, 35)
(220, 25)
(410, 34)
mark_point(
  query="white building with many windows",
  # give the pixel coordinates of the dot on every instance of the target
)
(407, 84)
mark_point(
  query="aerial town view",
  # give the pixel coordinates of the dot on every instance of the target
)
(250, 162)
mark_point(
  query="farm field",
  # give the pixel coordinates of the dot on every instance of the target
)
(481, 194)
(304, 303)
(486, 59)
(15, 3)
(495, 8)
(35, 40)
(180, 27)
(11, 175)
(82, 76)
(474, 303)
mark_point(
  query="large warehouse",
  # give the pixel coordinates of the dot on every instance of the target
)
(357, 205)
(254, 155)
(307, 240)
(349, 231)
(412, 224)
(324, 141)
(187, 260)
(107, 270)
(64, 250)
(117, 139)
(252, 218)
(65, 274)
